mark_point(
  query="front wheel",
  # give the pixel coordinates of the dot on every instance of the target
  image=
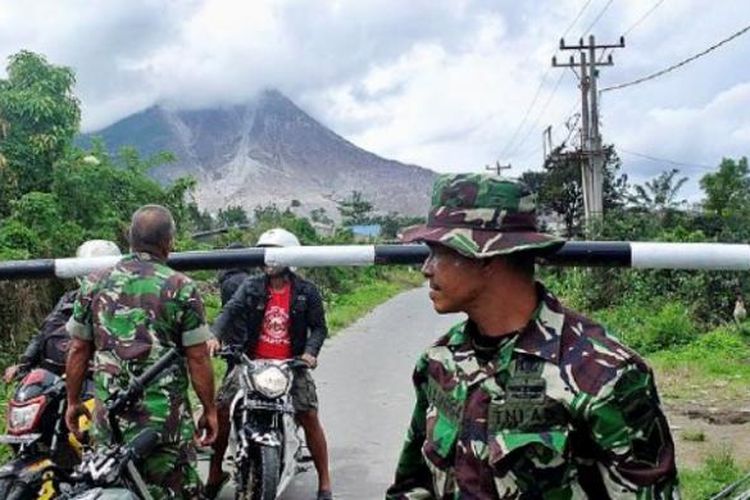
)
(260, 476)
(5, 485)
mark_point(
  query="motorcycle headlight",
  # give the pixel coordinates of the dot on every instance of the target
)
(271, 381)
(22, 418)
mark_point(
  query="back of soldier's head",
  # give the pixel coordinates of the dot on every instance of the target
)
(152, 228)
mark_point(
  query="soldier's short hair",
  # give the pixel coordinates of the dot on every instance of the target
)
(151, 227)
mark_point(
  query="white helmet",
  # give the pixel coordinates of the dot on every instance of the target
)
(277, 237)
(97, 248)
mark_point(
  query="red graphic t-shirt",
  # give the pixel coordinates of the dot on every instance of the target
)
(275, 341)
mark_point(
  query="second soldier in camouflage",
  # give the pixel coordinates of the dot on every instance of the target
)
(526, 399)
(126, 318)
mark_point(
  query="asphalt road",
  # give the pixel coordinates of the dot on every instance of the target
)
(366, 397)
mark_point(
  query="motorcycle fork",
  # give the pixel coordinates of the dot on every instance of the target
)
(245, 456)
(60, 427)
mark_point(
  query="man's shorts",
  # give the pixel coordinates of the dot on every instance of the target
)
(303, 392)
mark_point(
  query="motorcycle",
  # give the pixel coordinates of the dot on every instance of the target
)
(36, 430)
(111, 473)
(268, 448)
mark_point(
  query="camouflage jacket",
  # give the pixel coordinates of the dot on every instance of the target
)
(133, 313)
(562, 411)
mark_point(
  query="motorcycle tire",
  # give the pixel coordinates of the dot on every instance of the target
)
(5, 486)
(263, 475)
(21, 491)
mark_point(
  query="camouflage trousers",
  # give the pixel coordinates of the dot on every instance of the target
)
(170, 472)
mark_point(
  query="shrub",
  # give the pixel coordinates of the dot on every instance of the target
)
(652, 328)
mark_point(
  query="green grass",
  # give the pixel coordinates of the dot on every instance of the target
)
(718, 361)
(718, 471)
(344, 309)
(649, 328)
(694, 436)
(6, 392)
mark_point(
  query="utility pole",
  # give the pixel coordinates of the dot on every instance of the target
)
(547, 141)
(591, 152)
(498, 169)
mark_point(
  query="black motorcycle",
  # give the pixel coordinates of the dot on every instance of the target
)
(268, 446)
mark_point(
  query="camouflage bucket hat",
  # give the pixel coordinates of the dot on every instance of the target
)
(480, 216)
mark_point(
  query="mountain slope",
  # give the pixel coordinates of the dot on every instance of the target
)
(268, 151)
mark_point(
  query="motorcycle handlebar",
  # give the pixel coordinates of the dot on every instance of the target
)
(236, 354)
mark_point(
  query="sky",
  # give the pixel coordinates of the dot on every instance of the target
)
(451, 85)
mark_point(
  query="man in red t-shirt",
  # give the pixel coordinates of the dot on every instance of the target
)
(278, 315)
(274, 341)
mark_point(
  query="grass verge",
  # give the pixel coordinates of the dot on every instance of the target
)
(718, 471)
(344, 309)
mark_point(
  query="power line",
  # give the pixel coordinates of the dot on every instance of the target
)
(598, 16)
(679, 64)
(632, 27)
(663, 160)
(538, 92)
(539, 115)
(526, 114)
(643, 18)
(575, 20)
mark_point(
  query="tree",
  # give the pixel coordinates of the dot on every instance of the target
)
(201, 220)
(41, 116)
(727, 201)
(100, 191)
(727, 190)
(355, 209)
(534, 180)
(559, 188)
(320, 216)
(233, 215)
(660, 194)
(391, 224)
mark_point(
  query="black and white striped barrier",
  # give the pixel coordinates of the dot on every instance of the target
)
(639, 255)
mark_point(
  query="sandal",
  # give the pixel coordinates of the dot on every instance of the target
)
(325, 495)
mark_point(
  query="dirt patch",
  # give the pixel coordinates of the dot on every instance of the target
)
(718, 416)
(691, 452)
(706, 415)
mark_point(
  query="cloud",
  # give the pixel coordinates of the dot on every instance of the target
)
(440, 83)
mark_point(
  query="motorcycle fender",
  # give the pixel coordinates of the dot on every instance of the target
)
(265, 437)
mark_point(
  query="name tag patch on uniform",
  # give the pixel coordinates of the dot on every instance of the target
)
(515, 416)
(524, 406)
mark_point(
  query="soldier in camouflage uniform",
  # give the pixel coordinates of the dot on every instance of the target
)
(126, 318)
(526, 399)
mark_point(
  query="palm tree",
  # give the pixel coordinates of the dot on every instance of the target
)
(660, 194)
